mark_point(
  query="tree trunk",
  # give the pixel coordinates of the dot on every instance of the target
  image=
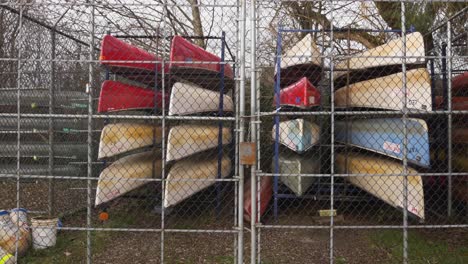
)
(197, 23)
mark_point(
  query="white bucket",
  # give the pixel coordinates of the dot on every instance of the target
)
(44, 232)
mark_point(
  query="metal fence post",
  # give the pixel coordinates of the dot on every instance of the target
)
(449, 121)
(51, 124)
(253, 131)
(332, 138)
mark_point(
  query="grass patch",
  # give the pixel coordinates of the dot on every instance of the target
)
(421, 250)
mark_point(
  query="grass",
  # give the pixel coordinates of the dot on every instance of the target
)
(421, 250)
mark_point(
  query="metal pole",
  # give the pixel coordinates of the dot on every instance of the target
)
(51, 125)
(253, 131)
(332, 138)
(90, 134)
(277, 121)
(405, 140)
(449, 122)
(236, 137)
(240, 216)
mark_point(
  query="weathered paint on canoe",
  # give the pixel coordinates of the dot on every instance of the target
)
(127, 174)
(186, 140)
(387, 92)
(389, 189)
(386, 136)
(301, 94)
(189, 99)
(298, 134)
(123, 137)
(296, 164)
(189, 176)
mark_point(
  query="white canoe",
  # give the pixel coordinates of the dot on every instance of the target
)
(122, 137)
(295, 164)
(389, 189)
(387, 92)
(186, 177)
(126, 174)
(187, 99)
(298, 134)
(186, 140)
(387, 54)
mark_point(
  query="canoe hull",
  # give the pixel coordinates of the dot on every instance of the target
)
(393, 191)
(387, 92)
(186, 177)
(458, 103)
(295, 164)
(298, 135)
(186, 140)
(266, 193)
(126, 174)
(301, 94)
(116, 96)
(187, 99)
(386, 136)
(123, 137)
(183, 50)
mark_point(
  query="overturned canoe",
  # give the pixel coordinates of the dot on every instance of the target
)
(301, 60)
(117, 96)
(387, 92)
(185, 55)
(389, 189)
(266, 193)
(386, 136)
(127, 174)
(298, 134)
(129, 61)
(186, 140)
(301, 94)
(460, 135)
(189, 99)
(123, 137)
(380, 61)
(296, 164)
(458, 103)
(190, 176)
(460, 84)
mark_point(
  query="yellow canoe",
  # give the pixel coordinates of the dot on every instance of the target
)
(126, 174)
(123, 137)
(180, 180)
(389, 189)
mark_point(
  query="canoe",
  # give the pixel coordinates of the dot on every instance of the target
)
(266, 193)
(11, 123)
(189, 99)
(183, 50)
(459, 188)
(295, 164)
(28, 169)
(389, 189)
(186, 140)
(458, 103)
(387, 92)
(301, 94)
(131, 62)
(127, 174)
(117, 96)
(460, 135)
(123, 137)
(40, 98)
(301, 60)
(460, 83)
(69, 150)
(298, 134)
(186, 177)
(380, 61)
(386, 136)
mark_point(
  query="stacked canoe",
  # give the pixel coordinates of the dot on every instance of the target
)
(374, 80)
(135, 147)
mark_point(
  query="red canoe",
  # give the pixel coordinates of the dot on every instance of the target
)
(458, 103)
(301, 94)
(460, 83)
(119, 56)
(183, 50)
(116, 96)
(266, 192)
(460, 135)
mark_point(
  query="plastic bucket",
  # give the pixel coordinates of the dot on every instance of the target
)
(12, 237)
(44, 232)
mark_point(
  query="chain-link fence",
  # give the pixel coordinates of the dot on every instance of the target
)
(175, 131)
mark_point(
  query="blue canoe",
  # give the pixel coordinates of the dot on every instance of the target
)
(386, 136)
